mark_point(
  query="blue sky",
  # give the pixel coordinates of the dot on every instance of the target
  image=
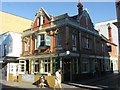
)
(98, 11)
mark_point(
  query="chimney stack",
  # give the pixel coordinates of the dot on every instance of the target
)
(80, 8)
(109, 32)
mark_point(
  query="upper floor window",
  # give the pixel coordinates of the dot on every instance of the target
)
(87, 43)
(40, 20)
(59, 40)
(26, 45)
(42, 39)
(74, 42)
(36, 42)
(43, 20)
(109, 48)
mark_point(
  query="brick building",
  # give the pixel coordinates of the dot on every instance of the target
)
(110, 31)
(69, 43)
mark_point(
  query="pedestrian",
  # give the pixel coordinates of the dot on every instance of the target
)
(58, 78)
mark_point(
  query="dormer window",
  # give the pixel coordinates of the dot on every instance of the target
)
(43, 19)
(40, 20)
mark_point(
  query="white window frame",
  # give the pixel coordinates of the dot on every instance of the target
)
(22, 64)
(46, 62)
(36, 63)
(36, 42)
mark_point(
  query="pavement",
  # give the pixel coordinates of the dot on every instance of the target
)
(88, 83)
(81, 84)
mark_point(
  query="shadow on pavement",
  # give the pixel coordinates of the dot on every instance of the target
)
(6, 87)
(109, 83)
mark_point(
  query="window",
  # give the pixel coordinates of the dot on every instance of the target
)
(85, 66)
(11, 68)
(36, 42)
(5, 48)
(75, 66)
(42, 40)
(48, 41)
(87, 43)
(40, 20)
(59, 40)
(74, 42)
(46, 64)
(43, 19)
(36, 68)
(22, 65)
(109, 49)
(26, 45)
(39, 41)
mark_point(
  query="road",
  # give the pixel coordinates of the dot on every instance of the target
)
(110, 83)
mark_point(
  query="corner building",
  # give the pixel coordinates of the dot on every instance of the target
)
(69, 43)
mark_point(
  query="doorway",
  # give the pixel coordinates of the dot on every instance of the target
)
(27, 66)
(66, 70)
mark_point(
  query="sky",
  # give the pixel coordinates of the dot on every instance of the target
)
(98, 11)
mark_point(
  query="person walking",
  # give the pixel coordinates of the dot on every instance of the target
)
(58, 79)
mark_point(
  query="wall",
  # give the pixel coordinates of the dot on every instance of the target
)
(103, 29)
(10, 22)
(15, 45)
(11, 71)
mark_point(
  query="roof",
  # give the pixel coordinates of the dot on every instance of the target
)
(10, 22)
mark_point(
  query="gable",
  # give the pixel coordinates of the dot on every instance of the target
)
(41, 18)
(85, 20)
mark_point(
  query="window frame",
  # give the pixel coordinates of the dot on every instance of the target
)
(46, 65)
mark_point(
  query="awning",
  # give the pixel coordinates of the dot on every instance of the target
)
(37, 56)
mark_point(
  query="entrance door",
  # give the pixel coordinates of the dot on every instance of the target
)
(66, 69)
(27, 66)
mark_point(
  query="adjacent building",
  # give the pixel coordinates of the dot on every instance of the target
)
(110, 31)
(67, 42)
(10, 50)
(11, 27)
(14, 23)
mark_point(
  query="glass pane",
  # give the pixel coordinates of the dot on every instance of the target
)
(45, 67)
